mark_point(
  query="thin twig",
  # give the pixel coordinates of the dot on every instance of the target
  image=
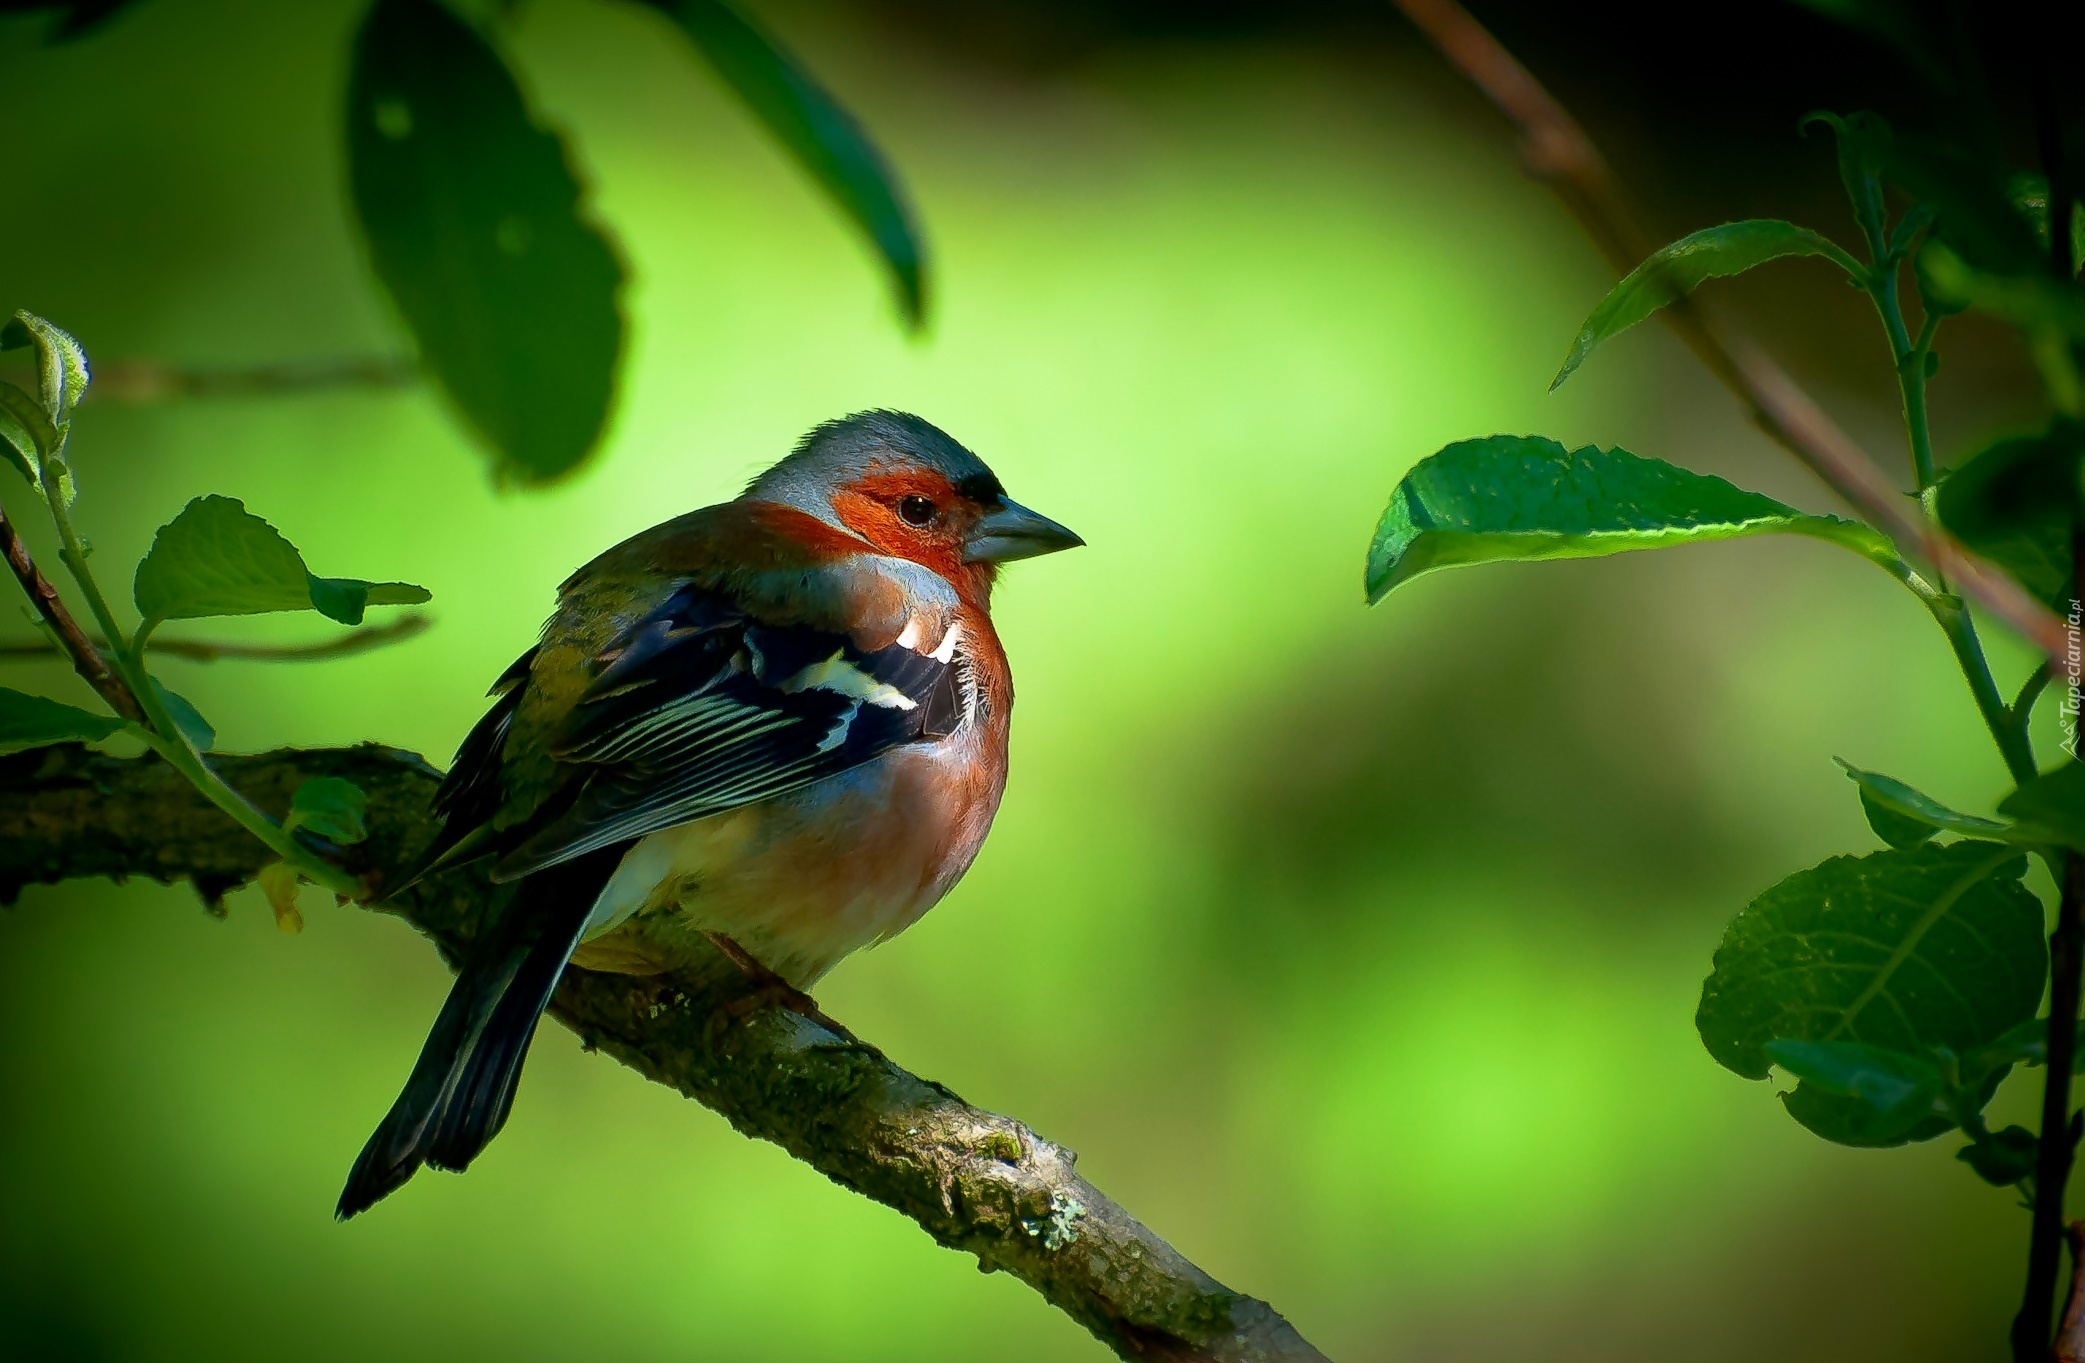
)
(87, 660)
(1556, 150)
(2070, 1340)
(155, 381)
(360, 640)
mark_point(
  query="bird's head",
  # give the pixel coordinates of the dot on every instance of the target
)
(908, 489)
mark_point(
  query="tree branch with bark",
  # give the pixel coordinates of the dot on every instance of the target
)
(976, 1181)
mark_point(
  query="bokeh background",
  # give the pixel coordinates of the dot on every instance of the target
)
(1356, 951)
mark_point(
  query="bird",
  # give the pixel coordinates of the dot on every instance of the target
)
(776, 727)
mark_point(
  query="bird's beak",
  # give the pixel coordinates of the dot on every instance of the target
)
(1010, 531)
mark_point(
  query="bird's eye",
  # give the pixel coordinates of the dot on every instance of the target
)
(916, 510)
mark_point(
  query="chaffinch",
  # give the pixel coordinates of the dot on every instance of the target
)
(778, 725)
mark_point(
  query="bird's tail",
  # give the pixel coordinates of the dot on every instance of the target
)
(463, 1083)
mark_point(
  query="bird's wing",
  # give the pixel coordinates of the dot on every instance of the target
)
(698, 708)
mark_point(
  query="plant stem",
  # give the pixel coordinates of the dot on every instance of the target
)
(2031, 1327)
(353, 641)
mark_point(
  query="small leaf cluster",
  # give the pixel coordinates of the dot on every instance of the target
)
(1897, 988)
(474, 210)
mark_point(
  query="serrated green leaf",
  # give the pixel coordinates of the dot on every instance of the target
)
(218, 558)
(1524, 498)
(2053, 803)
(61, 364)
(1864, 141)
(2003, 1158)
(331, 807)
(26, 432)
(1907, 950)
(1904, 817)
(2012, 502)
(1674, 271)
(475, 224)
(189, 720)
(28, 721)
(818, 131)
(2027, 300)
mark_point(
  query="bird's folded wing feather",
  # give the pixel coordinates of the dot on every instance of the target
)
(699, 708)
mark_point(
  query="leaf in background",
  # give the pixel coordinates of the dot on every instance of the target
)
(2030, 194)
(331, 807)
(1898, 1091)
(2011, 502)
(189, 720)
(1904, 817)
(2028, 1044)
(2002, 1158)
(1905, 950)
(61, 364)
(2053, 803)
(473, 218)
(1674, 271)
(25, 432)
(1973, 207)
(218, 558)
(76, 18)
(1524, 498)
(1896, 25)
(817, 130)
(2025, 300)
(28, 721)
(1864, 141)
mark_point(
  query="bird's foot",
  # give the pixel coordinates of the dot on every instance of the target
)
(770, 990)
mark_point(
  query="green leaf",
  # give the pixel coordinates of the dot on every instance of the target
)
(26, 434)
(1524, 498)
(28, 721)
(2002, 1158)
(2052, 804)
(61, 365)
(1906, 950)
(820, 133)
(2011, 502)
(331, 807)
(474, 222)
(1899, 1092)
(2028, 1044)
(1904, 817)
(1674, 271)
(218, 558)
(189, 720)
(2025, 300)
(1864, 149)
(1972, 205)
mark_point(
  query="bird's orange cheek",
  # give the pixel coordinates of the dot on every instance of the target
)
(874, 520)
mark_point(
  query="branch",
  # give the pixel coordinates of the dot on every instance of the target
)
(87, 660)
(156, 381)
(213, 650)
(973, 1180)
(2070, 1340)
(1557, 151)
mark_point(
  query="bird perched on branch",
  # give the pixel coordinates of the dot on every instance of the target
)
(777, 726)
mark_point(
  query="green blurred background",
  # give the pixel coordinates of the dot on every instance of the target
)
(1356, 951)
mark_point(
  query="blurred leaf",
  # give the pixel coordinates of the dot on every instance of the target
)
(76, 18)
(61, 364)
(2028, 1044)
(1905, 950)
(2025, 300)
(189, 720)
(2053, 803)
(25, 431)
(2030, 194)
(331, 807)
(823, 137)
(1973, 210)
(1904, 817)
(2012, 503)
(2002, 1158)
(472, 213)
(1864, 141)
(1525, 498)
(278, 881)
(218, 558)
(1896, 1092)
(28, 721)
(1674, 271)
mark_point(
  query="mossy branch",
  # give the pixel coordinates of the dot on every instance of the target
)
(974, 1180)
